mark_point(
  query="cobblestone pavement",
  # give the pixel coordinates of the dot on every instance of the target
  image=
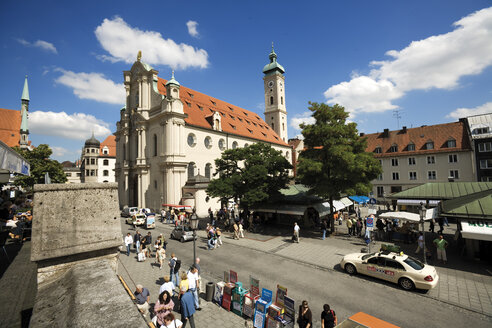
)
(463, 283)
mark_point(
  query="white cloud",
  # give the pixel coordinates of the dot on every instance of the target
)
(93, 86)
(123, 42)
(436, 62)
(78, 126)
(301, 118)
(61, 152)
(192, 28)
(39, 44)
(465, 112)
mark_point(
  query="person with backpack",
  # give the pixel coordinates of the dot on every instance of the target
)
(174, 266)
(328, 317)
(324, 227)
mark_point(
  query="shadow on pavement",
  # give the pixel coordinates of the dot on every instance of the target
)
(12, 248)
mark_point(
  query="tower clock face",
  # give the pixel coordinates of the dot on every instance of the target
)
(270, 84)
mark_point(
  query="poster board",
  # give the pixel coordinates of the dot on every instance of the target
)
(232, 276)
(254, 286)
(281, 293)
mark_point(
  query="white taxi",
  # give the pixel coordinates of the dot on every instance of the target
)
(400, 269)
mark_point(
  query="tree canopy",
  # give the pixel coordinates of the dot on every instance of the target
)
(249, 175)
(40, 162)
(334, 160)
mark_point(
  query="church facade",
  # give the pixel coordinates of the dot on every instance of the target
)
(169, 135)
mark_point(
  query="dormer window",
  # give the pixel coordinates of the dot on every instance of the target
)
(216, 119)
(429, 145)
(411, 147)
(378, 150)
(200, 107)
(188, 103)
(481, 130)
(232, 109)
(393, 148)
(232, 126)
(213, 102)
(232, 117)
(191, 95)
(451, 143)
(245, 113)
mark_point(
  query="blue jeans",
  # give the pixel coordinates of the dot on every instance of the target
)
(210, 245)
(174, 278)
(195, 297)
(128, 249)
(137, 245)
(324, 234)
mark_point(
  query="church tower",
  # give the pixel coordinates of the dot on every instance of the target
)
(24, 130)
(275, 112)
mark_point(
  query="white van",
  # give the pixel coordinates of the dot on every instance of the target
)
(129, 212)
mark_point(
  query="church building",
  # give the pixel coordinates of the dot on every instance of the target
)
(169, 135)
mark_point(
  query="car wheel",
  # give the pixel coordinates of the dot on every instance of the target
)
(406, 284)
(182, 240)
(350, 268)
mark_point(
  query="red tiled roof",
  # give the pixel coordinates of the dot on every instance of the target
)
(10, 121)
(110, 142)
(439, 134)
(234, 120)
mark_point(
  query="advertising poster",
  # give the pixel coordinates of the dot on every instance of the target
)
(226, 277)
(233, 276)
(281, 293)
(254, 286)
(290, 312)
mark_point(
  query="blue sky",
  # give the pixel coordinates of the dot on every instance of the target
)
(431, 60)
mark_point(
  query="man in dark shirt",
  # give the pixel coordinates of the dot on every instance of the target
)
(147, 242)
(143, 296)
(328, 317)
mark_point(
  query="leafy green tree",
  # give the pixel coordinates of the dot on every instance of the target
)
(334, 160)
(40, 162)
(249, 175)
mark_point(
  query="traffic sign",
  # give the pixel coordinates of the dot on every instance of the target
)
(372, 201)
(369, 222)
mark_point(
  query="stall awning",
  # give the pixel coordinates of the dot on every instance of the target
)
(477, 229)
(359, 199)
(283, 209)
(346, 201)
(324, 208)
(432, 202)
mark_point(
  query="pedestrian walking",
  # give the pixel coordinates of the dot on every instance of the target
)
(328, 317)
(128, 243)
(137, 239)
(167, 285)
(305, 318)
(296, 232)
(142, 296)
(241, 230)
(324, 226)
(236, 230)
(193, 284)
(380, 225)
(160, 256)
(147, 242)
(163, 307)
(431, 225)
(210, 239)
(187, 309)
(174, 266)
(420, 243)
(441, 245)
(446, 221)
(440, 221)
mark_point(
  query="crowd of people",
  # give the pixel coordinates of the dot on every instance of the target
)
(15, 217)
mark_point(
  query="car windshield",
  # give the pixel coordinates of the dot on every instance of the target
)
(414, 263)
(365, 257)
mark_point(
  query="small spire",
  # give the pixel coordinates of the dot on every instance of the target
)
(139, 55)
(272, 47)
(25, 91)
(172, 74)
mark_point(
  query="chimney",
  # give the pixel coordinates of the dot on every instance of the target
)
(386, 133)
(362, 134)
(404, 130)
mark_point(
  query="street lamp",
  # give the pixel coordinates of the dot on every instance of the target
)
(194, 225)
(422, 211)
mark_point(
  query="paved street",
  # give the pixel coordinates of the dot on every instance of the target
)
(310, 271)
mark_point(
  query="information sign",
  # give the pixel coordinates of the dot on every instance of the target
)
(254, 286)
(281, 293)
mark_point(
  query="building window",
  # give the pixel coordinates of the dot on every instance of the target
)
(485, 147)
(86, 173)
(394, 162)
(69, 174)
(486, 179)
(106, 162)
(208, 170)
(380, 177)
(191, 140)
(396, 176)
(93, 173)
(431, 160)
(234, 145)
(78, 175)
(431, 175)
(87, 161)
(486, 163)
(429, 145)
(411, 161)
(412, 175)
(191, 170)
(87, 150)
(394, 148)
(411, 147)
(124, 152)
(378, 150)
(380, 191)
(93, 161)
(454, 174)
(273, 126)
(453, 158)
(271, 100)
(221, 144)
(155, 145)
(481, 130)
(105, 150)
(451, 143)
(105, 173)
(155, 184)
(281, 100)
(208, 142)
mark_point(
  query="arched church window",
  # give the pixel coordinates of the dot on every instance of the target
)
(271, 100)
(282, 100)
(234, 145)
(208, 170)
(273, 126)
(155, 145)
(191, 140)
(191, 170)
(221, 144)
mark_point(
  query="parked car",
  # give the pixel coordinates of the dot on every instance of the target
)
(136, 219)
(398, 268)
(182, 233)
(128, 212)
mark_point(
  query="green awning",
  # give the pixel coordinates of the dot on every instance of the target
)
(476, 206)
(442, 190)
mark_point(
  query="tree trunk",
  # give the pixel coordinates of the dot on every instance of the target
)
(332, 221)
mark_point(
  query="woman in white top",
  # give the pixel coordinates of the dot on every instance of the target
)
(128, 243)
(160, 256)
(171, 322)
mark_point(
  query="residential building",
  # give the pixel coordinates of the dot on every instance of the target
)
(168, 134)
(411, 157)
(72, 171)
(480, 133)
(98, 160)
